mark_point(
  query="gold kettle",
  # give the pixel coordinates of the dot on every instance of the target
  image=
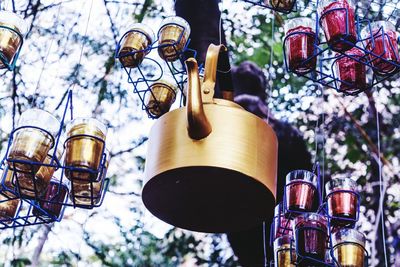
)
(211, 166)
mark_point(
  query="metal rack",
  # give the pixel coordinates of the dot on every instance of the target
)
(31, 211)
(326, 58)
(322, 208)
(150, 70)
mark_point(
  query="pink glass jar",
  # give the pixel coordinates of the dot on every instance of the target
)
(301, 191)
(300, 41)
(381, 41)
(281, 225)
(342, 200)
(284, 252)
(351, 72)
(311, 237)
(349, 247)
(337, 19)
(56, 193)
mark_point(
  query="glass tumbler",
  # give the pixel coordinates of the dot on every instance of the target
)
(10, 40)
(33, 144)
(139, 40)
(172, 37)
(337, 19)
(349, 247)
(84, 149)
(300, 45)
(342, 200)
(284, 252)
(301, 190)
(351, 73)
(56, 193)
(161, 96)
(381, 41)
(311, 237)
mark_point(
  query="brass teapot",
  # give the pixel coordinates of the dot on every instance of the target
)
(211, 166)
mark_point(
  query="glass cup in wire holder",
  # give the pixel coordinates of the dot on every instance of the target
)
(90, 194)
(349, 247)
(135, 45)
(32, 140)
(160, 97)
(173, 37)
(284, 251)
(12, 31)
(84, 149)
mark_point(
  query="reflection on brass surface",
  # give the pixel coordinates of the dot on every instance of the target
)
(160, 99)
(170, 35)
(29, 144)
(349, 255)
(283, 257)
(240, 153)
(9, 43)
(134, 41)
(83, 151)
(8, 208)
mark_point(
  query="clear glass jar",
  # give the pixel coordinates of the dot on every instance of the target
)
(301, 190)
(349, 247)
(32, 144)
(172, 37)
(381, 41)
(10, 41)
(56, 193)
(284, 252)
(281, 5)
(300, 45)
(141, 38)
(83, 193)
(41, 179)
(342, 204)
(161, 96)
(311, 236)
(351, 73)
(83, 149)
(337, 19)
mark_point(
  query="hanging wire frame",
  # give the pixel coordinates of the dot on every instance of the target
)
(64, 194)
(327, 59)
(282, 6)
(151, 70)
(283, 227)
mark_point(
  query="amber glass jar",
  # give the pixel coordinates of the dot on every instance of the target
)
(301, 191)
(56, 192)
(33, 144)
(10, 41)
(83, 149)
(160, 98)
(138, 40)
(349, 247)
(172, 37)
(284, 252)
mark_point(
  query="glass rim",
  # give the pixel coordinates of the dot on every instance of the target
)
(344, 183)
(143, 28)
(311, 216)
(348, 235)
(86, 120)
(323, 3)
(305, 22)
(307, 176)
(13, 20)
(167, 83)
(44, 116)
(177, 20)
(283, 240)
(384, 24)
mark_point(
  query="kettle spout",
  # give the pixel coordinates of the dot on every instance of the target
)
(197, 123)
